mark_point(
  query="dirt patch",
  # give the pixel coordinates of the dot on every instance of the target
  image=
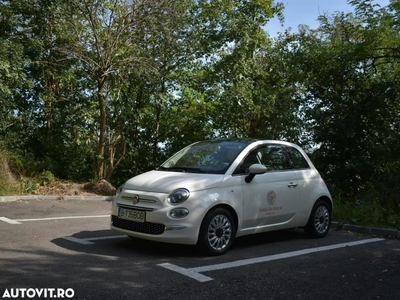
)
(5, 172)
(101, 188)
(47, 184)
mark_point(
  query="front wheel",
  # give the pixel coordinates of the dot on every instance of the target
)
(319, 222)
(217, 232)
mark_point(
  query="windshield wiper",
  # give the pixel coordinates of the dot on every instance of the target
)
(195, 170)
(173, 169)
(183, 169)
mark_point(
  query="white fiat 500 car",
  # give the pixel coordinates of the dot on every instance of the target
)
(213, 191)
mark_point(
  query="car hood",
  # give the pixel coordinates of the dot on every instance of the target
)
(166, 182)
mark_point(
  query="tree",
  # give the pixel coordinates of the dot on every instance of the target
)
(348, 84)
(107, 45)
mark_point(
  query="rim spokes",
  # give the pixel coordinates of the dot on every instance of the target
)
(321, 219)
(219, 232)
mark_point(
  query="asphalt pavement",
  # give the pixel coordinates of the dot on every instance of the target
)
(66, 244)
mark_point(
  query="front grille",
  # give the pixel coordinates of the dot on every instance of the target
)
(141, 199)
(136, 207)
(146, 227)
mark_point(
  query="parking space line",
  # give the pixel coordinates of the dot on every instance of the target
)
(187, 272)
(88, 241)
(195, 272)
(18, 221)
(9, 221)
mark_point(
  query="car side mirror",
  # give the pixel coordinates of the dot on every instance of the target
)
(254, 170)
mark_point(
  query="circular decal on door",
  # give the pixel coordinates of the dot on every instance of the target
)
(271, 197)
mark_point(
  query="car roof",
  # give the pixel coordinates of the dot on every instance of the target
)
(248, 141)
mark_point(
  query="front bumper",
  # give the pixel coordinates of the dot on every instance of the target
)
(159, 226)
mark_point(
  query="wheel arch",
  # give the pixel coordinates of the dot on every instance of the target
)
(231, 210)
(320, 198)
(326, 199)
(309, 228)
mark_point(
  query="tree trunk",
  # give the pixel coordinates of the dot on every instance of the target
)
(102, 130)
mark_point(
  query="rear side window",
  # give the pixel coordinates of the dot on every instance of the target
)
(296, 159)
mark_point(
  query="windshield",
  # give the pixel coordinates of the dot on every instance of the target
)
(214, 157)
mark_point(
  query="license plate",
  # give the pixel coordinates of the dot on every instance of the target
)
(132, 215)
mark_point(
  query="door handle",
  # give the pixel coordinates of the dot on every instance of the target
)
(292, 184)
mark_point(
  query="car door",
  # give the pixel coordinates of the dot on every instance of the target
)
(270, 198)
(307, 178)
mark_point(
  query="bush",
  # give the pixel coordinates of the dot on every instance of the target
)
(28, 186)
(46, 177)
(366, 214)
(8, 184)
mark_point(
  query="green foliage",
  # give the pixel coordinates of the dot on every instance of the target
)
(28, 186)
(367, 214)
(46, 177)
(8, 184)
(348, 81)
(8, 188)
(377, 205)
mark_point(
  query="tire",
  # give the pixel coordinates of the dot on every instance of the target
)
(319, 221)
(217, 232)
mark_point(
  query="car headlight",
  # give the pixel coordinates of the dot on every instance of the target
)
(118, 192)
(178, 196)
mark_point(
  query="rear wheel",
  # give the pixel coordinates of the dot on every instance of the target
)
(319, 222)
(217, 232)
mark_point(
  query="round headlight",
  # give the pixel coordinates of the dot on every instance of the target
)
(178, 196)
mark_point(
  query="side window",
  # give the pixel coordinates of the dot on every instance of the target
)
(252, 158)
(273, 157)
(297, 160)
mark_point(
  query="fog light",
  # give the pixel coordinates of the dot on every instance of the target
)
(179, 213)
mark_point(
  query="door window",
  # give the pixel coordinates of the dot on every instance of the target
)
(273, 157)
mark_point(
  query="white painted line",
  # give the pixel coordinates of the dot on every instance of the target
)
(76, 240)
(62, 218)
(256, 260)
(88, 241)
(18, 221)
(195, 272)
(187, 272)
(9, 221)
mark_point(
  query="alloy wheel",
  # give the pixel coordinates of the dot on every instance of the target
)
(219, 232)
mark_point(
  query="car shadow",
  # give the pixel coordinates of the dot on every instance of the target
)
(108, 242)
(115, 244)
